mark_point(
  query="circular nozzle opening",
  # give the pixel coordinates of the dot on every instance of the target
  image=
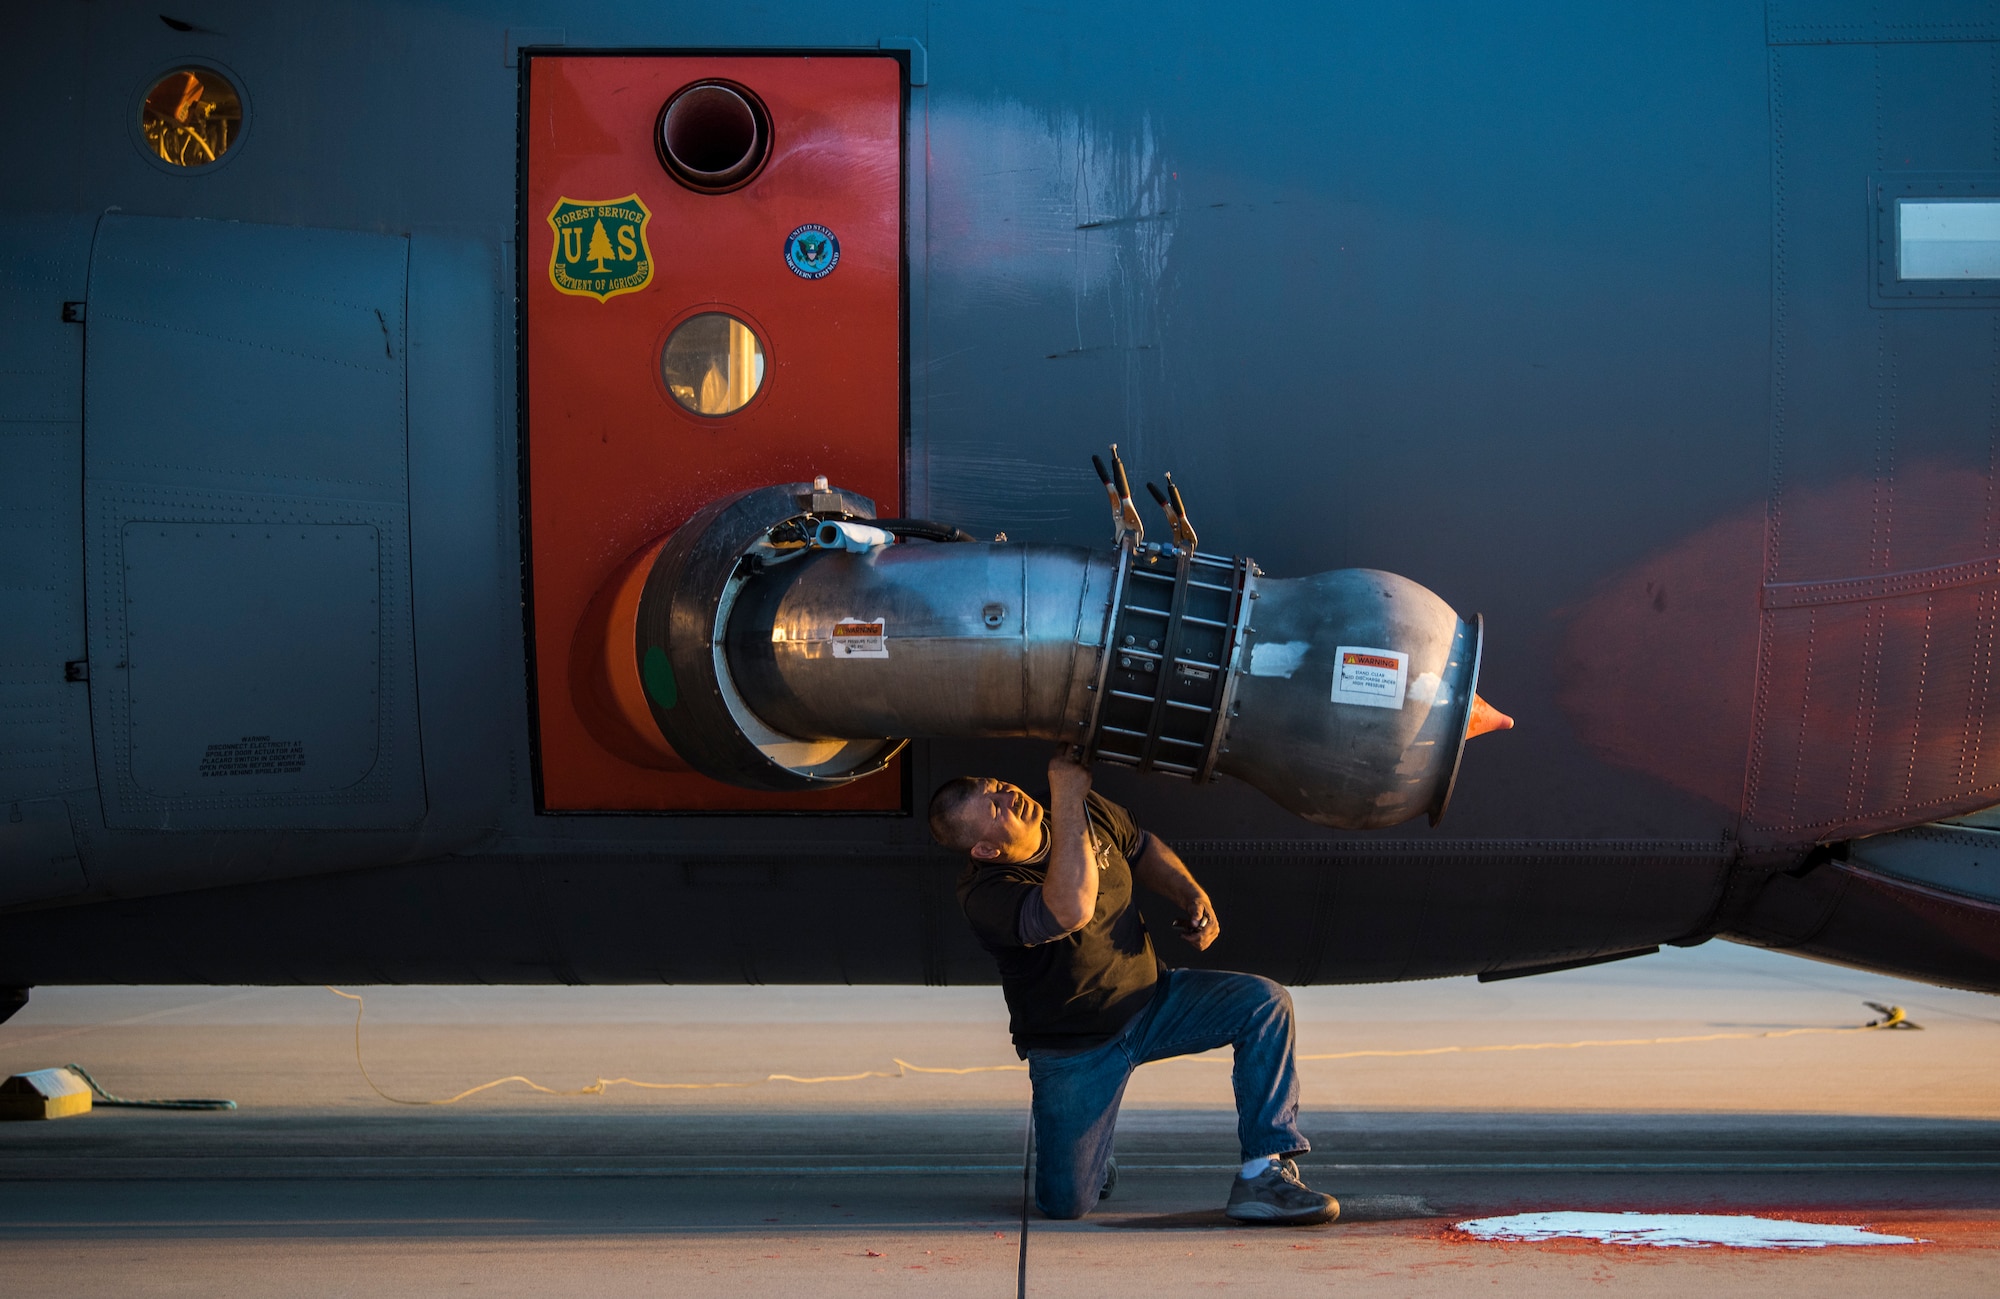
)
(713, 136)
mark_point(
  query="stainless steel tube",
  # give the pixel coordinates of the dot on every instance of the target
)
(973, 640)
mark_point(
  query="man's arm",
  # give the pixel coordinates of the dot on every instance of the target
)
(1160, 870)
(1070, 888)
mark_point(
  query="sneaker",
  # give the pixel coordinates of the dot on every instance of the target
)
(1110, 1179)
(1277, 1195)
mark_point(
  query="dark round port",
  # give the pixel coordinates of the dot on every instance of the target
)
(713, 136)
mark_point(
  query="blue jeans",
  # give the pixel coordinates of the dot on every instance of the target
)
(1077, 1092)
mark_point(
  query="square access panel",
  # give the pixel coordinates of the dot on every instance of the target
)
(253, 654)
(778, 284)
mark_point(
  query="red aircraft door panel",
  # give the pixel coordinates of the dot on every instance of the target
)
(619, 252)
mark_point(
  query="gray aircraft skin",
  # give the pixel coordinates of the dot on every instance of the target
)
(1590, 319)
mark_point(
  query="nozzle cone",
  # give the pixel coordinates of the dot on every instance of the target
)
(1485, 717)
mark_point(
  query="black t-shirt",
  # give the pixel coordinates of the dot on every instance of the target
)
(1078, 989)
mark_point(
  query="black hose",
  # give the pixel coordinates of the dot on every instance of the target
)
(927, 529)
(106, 1099)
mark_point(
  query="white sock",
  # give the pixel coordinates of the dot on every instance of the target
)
(1255, 1167)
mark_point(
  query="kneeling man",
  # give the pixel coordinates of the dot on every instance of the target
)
(1049, 893)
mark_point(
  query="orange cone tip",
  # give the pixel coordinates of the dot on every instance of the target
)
(1485, 717)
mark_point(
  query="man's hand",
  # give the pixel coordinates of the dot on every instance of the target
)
(1069, 780)
(1161, 870)
(1200, 927)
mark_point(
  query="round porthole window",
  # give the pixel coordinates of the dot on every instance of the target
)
(713, 363)
(190, 117)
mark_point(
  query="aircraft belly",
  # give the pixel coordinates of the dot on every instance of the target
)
(1301, 912)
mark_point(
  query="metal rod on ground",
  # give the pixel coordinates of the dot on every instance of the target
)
(1027, 1158)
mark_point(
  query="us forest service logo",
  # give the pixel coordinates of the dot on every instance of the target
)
(812, 252)
(600, 248)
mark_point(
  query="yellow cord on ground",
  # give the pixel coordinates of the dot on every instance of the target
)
(599, 1087)
(1891, 1017)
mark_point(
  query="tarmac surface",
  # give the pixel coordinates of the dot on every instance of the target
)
(912, 1183)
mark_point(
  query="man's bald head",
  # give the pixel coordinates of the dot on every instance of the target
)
(987, 819)
(950, 827)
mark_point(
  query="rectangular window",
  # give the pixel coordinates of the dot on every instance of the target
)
(1936, 239)
(1948, 239)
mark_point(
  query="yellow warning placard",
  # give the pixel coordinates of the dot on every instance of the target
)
(1373, 678)
(859, 639)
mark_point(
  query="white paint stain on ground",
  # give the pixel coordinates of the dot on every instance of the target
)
(1684, 1230)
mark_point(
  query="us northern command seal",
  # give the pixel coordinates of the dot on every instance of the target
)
(600, 247)
(812, 251)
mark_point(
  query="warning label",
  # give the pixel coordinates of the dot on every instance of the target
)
(854, 639)
(255, 755)
(1373, 678)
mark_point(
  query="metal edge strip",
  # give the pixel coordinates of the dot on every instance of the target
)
(1232, 668)
(1170, 645)
(1443, 802)
(1090, 727)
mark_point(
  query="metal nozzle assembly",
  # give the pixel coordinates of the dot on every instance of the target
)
(808, 642)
